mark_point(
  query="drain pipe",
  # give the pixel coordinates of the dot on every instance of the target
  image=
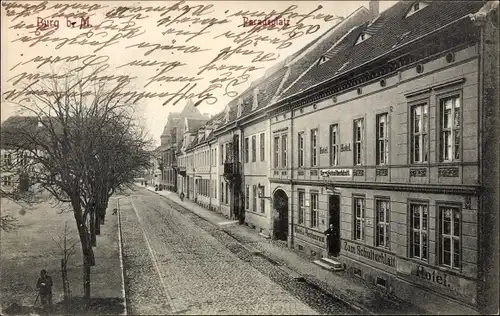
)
(291, 224)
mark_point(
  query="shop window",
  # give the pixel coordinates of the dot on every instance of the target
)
(314, 209)
(302, 207)
(334, 145)
(254, 148)
(450, 129)
(449, 234)
(314, 148)
(419, 231)
(359, 218)
(276, 151)
(284, 157)
(383, 231)
(301, 149)
(382, 139)
(419, 138)
(262, 147)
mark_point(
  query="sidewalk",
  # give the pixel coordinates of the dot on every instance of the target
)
(33, 247)
(361, 295)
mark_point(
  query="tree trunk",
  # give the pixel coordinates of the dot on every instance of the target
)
(88, 254)
(93, 227)
(98, 221)
(64, 280)
(86, 281)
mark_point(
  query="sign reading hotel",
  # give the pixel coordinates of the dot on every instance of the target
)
(346, 173)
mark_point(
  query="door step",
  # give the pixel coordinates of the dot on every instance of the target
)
(228, 223)
(329, 264)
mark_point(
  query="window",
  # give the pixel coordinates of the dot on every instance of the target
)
(222, 192)
(449, 233)
(314, 147)
(302, 209)
(246, 150)
(314, 210)
(383, 228)
(262, 202)
(419, 142)
(276, 151)
(254, 148)
(283, 151)
(419, 231)
(262, 147)
(334, 145)
(247, 197)
(221, 154)
(7, 181)
(227, 193)
(7, 159)
(254, 198)
(382, 140)
(301, 149)
(450, 128)
(359, 222)
(358, 142)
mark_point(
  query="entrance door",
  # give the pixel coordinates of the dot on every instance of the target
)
(281, 220)
(334, 219)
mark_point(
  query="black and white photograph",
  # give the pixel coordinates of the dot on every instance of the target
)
(261, 157)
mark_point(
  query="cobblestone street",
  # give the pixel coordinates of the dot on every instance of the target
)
(176, 262)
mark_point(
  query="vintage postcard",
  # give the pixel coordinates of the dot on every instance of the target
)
(249, 157)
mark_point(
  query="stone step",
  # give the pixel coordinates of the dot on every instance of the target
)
(327, 266)
(228, 223)
(332, 262)
(264, 235)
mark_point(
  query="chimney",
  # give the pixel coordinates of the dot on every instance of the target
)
(374, 8)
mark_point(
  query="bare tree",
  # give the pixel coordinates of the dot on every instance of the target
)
(80, 144)
(66, 248)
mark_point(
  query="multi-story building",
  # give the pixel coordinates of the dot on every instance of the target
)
(171, 139)
(203, 149)
(384, 139)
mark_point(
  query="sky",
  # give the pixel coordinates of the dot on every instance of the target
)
(162, 52)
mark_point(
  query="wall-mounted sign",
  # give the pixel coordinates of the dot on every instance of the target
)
(336, 172)
(280, 130)
(309, 234)
(323, 150)
(345, 147)
(370, 254)
(333, 190)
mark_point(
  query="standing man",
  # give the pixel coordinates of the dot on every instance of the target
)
(331, 234)
(44, 286)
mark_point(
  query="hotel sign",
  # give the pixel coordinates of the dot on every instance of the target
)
(336, 173)
(370, 254)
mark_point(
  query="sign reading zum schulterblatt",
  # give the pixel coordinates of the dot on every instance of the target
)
(336, 173)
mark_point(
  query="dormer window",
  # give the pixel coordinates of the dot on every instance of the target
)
(323, 59)
(226, 117)
(363, 37)
(255, 103)
(417, 6)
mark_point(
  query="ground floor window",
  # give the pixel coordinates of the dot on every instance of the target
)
(302, 209)
(383, 223)
(314, 209)
(419, 228)
(449, 233)
(359, 215)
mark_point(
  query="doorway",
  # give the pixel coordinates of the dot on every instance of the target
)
(334, 219)
(280, 205)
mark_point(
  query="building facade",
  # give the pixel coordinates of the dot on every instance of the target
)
(388, 152)
(384, 129)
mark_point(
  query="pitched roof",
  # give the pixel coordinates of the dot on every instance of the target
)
(16, 129)
(391, 30)
(287, 71)
(195, 124)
